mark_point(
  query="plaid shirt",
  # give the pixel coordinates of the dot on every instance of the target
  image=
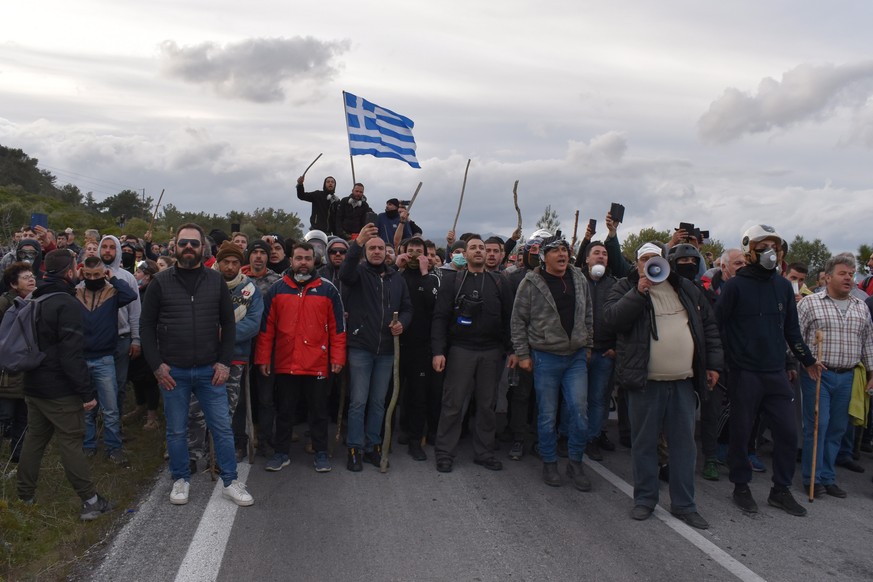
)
(848, 339)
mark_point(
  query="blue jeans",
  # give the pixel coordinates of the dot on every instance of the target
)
(833, 418)
(102, 372)
(369, 376)
(213, 403)
(599, 373)
(568, 375)
(666, 407)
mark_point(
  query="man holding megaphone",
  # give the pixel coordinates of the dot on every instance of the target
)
(667, 347)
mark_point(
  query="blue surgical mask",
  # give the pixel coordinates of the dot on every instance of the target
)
(459, 260)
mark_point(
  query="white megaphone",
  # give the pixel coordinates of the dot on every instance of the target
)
(657, 269)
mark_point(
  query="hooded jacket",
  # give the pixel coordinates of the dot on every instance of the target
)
(757, 315)
(374, 294)
(350, 217)
(100, 315)
(536, 323)
(59, 332)
(321, 201)
(128, 316)
(630, 316)
(302, 330)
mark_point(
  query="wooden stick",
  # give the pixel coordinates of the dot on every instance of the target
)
(517, 209)
(575, 230)
(819, 339)
(157, 206)
(310, 165)
(389, 414)
(461, 201)
(414, 196)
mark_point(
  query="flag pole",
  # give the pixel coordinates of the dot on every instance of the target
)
(351, 158)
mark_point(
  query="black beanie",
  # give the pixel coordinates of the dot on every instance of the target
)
(258, 244)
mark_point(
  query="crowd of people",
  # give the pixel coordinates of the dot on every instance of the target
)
(245, 339)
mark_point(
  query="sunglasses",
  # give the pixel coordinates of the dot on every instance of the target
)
(337, 251)
(188, 242)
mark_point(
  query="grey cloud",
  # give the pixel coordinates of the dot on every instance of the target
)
(257, 69)
(805, 92)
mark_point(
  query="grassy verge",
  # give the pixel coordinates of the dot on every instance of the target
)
(44, 541)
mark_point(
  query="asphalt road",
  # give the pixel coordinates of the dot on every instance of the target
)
(413, 523)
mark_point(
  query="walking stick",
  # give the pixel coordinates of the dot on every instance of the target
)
(310, 165)
(250, 427)
(819, 337)
(575, 230)
(461, 201)
(389, 414)
(414, 196)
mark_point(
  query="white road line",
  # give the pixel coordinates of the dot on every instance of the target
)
(203, 559)
(730, 563)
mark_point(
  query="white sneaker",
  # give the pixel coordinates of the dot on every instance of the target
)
(237, 493)
(179, 494)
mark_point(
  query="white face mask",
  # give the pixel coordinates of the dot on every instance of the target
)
(767, 259)
(597, 271)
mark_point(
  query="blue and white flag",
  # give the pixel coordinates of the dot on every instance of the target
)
(378, 131)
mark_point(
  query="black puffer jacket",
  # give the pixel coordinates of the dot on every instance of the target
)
(184, 330)
(60, 335)
(630, 316)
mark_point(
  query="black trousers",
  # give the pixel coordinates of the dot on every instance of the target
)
(771, 395)
(316, 391)
(420, 391)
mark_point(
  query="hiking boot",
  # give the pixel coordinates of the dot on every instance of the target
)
(237, 493)
(641, 512)
(576, 474)
(593, 451)
(550, 475)
(444, 465)
(118, 457)
(693, 519)
(490, 463)
(782, 498)
(604, 443)
(743, 499)
(850, 465)
(278, 462)
(90, 453)
(179, 494)
(354, 463)
(415, 450)
(710, 470)
(834, 490)
(94, 510)
(516, 451)
(756, 464)
(321, 462)
(374, 457)
(818, 490)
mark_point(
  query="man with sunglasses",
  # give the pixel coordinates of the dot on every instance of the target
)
(337, 248)
(188, 336)
(757, 315)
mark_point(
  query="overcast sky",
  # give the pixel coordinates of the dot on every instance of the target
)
(722, 115)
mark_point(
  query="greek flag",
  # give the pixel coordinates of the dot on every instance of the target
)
(378, 131)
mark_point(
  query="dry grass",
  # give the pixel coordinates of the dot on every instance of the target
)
(45, 540)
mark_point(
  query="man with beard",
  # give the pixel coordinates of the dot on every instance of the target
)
(248, 306)
(302, 341)
(321, 201)
(278, 259)
(263, 407)
(374, 291)
(470, 331)
(351, 214)
(494, 253)
(128, 316)
(337, 248)
(191, 310)
(58, 392)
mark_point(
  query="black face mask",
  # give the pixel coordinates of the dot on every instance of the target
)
(688, 271)
(392, 214)
(95, 284)
(127, 260)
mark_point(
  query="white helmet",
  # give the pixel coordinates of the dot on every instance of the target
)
(758, 233)
(317, 235)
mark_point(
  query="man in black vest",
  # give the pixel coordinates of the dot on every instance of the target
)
(188, 334)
